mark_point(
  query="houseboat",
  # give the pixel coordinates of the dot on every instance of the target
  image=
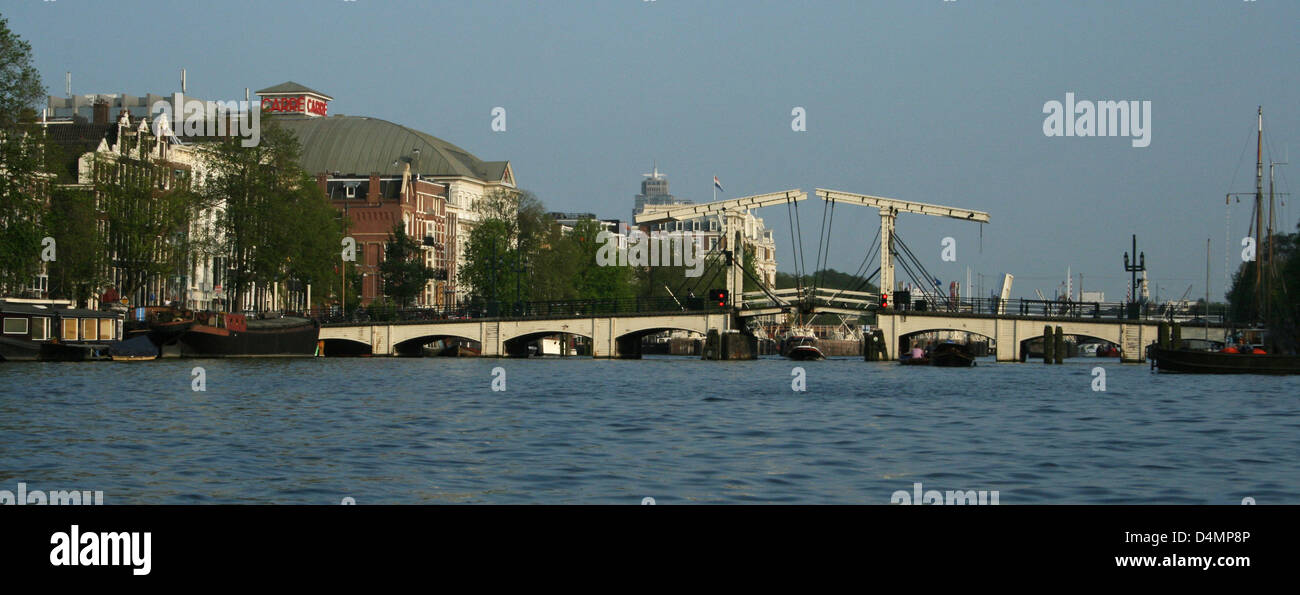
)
(220, 334)
(52, 330)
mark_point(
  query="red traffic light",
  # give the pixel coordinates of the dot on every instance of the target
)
(884, 300)
(719, 296)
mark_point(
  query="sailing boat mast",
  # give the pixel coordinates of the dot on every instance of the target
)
(1260, 298)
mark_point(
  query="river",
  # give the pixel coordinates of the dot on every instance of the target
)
(675, 429)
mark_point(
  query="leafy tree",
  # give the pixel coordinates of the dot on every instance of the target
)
(554, 271)
(503, 251)
(489, 259)
(309, 235)
(403, 271)
(591, 280)
(1283, 296)
(22, 186)
(274, 223)
(147, 209)
(73, 222)
(829, 279)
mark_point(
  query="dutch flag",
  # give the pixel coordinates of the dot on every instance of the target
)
(716, 183)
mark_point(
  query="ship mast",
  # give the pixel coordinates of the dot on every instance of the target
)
(1260, 298)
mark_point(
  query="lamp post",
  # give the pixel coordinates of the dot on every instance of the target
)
(1140, 264)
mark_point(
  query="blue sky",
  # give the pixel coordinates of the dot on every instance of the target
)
(939, 102)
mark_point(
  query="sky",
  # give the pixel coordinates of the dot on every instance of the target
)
(923, 100)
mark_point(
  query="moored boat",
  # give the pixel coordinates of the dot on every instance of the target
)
(162, 324)
(216, 334)
(134, 349)
(51, 330)
(1223, 362)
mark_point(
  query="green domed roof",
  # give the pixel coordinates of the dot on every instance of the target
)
(357, 145)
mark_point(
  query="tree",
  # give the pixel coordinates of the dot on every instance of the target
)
(22, 186)
(592, 280)
(403, 271)
(1283, 293)
(489, 248)
(73, 222)
(309, 234)
(147, 209)
(274, 223)
(513, 229)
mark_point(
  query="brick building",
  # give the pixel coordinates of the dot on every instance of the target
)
(381, 173)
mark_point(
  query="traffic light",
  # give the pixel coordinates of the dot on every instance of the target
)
(719, 297)
(884, 300)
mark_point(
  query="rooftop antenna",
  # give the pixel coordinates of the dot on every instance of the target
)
(182, 81)
(67, 83)
(656, 175)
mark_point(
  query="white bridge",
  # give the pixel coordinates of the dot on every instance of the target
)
(611, 335)
(620, 334)
(1012, 332)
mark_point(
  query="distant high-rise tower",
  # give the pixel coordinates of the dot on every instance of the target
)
(654, 191)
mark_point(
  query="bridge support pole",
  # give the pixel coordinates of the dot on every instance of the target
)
(887, 216)
(733, 223)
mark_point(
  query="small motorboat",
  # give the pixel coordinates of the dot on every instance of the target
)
(950, 354)
(803, 348)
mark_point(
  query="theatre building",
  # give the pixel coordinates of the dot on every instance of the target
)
(381, 174)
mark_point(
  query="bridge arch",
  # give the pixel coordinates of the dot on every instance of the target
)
(629, 343)
(517, 345)
(339, 347)
(905, 339)
(412, 345)
(1025, 342)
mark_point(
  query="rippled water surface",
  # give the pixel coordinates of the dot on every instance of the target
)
(679, 430)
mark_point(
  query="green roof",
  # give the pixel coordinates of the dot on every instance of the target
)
(359, 145)
(291, 87)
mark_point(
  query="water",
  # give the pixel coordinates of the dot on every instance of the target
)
(680, 430)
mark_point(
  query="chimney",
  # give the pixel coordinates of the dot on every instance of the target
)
(373, 196)
(100, 112)
(321, 179)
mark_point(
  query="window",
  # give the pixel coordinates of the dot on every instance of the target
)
(106, 329)
(89, 330)
(40, 328)
(69, 329)
(15, 326)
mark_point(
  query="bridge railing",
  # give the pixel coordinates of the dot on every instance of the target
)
(497, 310)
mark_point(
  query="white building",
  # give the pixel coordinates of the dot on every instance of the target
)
(654, 198)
